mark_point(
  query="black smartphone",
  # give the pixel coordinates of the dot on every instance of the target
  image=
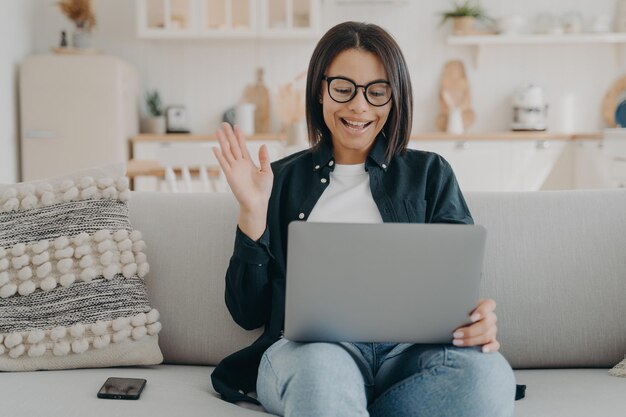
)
(122, 388)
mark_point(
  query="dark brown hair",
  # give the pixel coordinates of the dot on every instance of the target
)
(369, 38)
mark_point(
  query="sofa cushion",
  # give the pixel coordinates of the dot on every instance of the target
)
(555, 264)
(187, 391)
(71, 276)
(171, 390)
(191, 238)
(571, 393)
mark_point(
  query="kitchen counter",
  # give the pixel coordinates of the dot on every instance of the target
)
(506, 136)
(172, 137)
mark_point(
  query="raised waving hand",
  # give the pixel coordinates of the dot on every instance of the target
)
(251, 185)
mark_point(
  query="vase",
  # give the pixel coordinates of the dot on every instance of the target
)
(464, 25)
(154, 125)
(455, 121)
(81, 38)
(244, 117)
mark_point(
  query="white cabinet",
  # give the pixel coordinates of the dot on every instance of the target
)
(228, 18)
(191, 154)
(591, 165)
(498, 165)
(195, 153)
(156, 18)
(614, 152)
(290, 18)
(478, 165)
(532, 162)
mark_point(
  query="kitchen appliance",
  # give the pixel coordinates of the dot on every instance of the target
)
(530, 111)
(76, 112)
(177, 120)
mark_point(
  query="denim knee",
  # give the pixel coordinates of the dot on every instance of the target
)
(460, 382)
(315, 379)
(319, 363)
(486, 377)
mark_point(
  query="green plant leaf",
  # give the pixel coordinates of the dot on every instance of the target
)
(465, 8)
(153, 101)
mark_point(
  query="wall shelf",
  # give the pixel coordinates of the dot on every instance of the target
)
(585, 38)
(228, 19)
(478, 42)
(372, 2)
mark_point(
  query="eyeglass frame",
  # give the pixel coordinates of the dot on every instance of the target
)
(356, 89)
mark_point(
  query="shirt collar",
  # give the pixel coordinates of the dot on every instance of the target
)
(323, 154)
(377, 153)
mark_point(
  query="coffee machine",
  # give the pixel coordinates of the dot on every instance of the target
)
(530, 111)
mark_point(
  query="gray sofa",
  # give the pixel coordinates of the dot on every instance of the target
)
(555, 263)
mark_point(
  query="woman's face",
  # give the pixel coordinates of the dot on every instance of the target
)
(355, 124)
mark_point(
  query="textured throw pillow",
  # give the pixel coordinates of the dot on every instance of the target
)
(619, 369)
(71, 276)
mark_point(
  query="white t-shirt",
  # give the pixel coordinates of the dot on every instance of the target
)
(347, 199)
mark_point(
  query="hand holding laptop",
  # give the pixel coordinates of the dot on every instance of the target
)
(482, 331)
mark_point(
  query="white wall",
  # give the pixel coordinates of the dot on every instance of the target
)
(208, 76)
(16, 42)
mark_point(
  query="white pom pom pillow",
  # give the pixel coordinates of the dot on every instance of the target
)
(71, 276)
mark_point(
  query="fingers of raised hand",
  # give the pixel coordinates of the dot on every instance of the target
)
(241, 141)
(220, 159)
(232, 140)
(264, 159)
(224, 146)
(229, 143)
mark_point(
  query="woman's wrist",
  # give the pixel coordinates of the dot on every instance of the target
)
(252, 222)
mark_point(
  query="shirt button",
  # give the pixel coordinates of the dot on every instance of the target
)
(317, 167)
(301, 216)
(330, 164)
(323, 180)
(384, 166)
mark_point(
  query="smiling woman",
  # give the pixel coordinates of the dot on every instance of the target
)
(351, 118)
(373, 65)
(358, 170)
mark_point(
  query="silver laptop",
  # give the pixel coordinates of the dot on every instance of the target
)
(389, 282)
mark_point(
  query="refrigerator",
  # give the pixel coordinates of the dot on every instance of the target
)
(76, 112)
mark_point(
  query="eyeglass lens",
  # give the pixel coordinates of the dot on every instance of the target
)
(376, 94)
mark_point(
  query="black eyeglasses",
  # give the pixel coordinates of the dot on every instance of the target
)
(342, 90)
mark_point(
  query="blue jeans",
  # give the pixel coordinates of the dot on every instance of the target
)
(384, 379)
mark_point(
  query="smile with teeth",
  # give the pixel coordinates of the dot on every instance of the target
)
(354, 125)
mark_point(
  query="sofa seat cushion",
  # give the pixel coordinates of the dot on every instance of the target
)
(180, 390)
(571, 393)
(171, 390)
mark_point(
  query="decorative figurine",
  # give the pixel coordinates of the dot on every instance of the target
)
(63, 39)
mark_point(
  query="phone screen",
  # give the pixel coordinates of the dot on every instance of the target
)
(122, 388)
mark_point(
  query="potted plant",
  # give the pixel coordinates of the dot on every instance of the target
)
(464, 16)
(155, 122)
(79, 12)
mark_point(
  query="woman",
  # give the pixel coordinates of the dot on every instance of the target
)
(359, 114)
